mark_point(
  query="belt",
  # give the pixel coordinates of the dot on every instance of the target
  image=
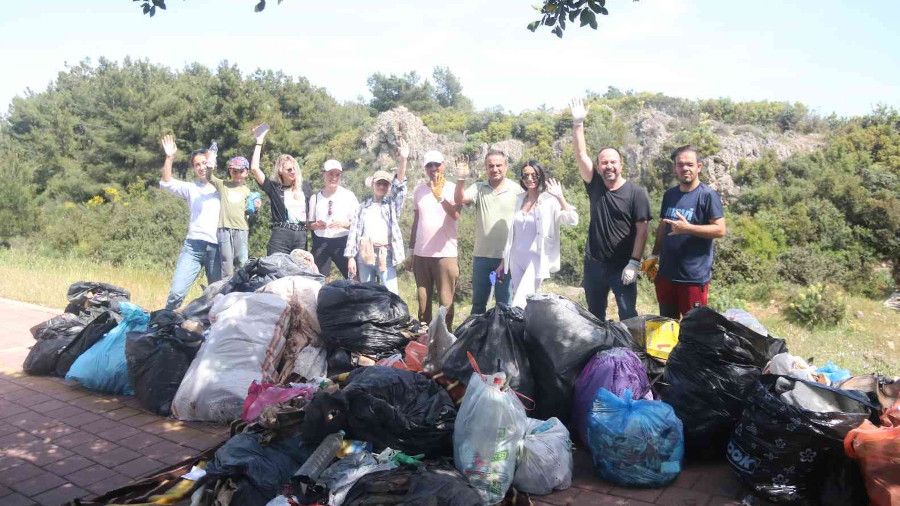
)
(289, 226)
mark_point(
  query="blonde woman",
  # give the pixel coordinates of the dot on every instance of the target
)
(286, 196)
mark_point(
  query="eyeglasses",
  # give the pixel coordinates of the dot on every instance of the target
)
(529, 176)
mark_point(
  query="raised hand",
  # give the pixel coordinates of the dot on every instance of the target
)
(402, 148)
(576, 105)
(260, 132)
(554, 188)
(168, 145)
(462, 168)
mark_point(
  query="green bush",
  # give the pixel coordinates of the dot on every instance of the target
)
(812, 307)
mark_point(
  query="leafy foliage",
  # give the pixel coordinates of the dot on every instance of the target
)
(816, 306)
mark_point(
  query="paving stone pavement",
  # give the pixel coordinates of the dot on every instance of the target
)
(59, 442)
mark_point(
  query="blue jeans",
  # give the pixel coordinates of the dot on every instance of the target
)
(481, 284)
(601, 277)
(194, 255)
(233, 246)
(370, 274)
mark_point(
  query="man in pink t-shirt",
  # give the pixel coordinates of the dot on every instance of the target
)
(433, 239)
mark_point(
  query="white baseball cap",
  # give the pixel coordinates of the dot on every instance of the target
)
(433, 157)
(331, 165)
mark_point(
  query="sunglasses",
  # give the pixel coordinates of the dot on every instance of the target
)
(239, 169)
(432, 165)
(529, 176)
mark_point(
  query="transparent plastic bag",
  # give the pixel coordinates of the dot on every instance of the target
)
(545, 462)
(489, 427)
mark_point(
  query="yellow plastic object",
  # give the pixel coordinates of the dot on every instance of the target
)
(662, 336)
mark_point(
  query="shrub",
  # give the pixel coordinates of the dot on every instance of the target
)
(812, 307)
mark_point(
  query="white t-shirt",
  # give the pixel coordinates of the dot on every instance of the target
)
(374, 225)
(203, 202)
(342, 205)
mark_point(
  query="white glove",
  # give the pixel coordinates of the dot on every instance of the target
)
(630, 272)
(579, 112)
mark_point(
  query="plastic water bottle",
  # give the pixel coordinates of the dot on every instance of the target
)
(317, 462)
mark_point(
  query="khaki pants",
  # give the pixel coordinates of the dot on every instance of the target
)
(438, 273)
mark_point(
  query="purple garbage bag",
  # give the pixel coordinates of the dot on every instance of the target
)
(615, 369)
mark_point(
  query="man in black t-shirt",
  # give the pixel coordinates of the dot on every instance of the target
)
(620, 212)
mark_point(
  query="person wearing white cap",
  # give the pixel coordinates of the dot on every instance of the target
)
(375, 244)
(330, 212)
(433, 239)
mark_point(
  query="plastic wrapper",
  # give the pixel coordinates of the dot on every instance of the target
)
(440, 339)
(877, 449)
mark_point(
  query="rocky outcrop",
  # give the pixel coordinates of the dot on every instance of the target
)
(381, 140)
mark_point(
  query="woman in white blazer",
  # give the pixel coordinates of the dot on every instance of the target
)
(532, 245)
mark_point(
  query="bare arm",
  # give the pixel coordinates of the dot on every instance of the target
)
(402, 159)
(260, 134)
(169, 147)
(658, 241)
(452, 210)
(642, 230)
(585, 165)
(412, 233)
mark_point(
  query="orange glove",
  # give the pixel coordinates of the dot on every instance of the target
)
(650, 267)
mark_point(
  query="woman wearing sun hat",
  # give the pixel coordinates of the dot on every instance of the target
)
(375, 244)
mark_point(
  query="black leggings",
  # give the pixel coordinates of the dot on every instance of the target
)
(326, 250)
(285, 240)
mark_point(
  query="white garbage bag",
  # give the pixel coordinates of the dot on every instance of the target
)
(545, 462)
(232, 357)
(440, 339)
(489, 428)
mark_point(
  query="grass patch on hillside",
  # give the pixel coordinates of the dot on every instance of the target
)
(863, 344)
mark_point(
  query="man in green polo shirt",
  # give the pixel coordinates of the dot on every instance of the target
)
(495, 204)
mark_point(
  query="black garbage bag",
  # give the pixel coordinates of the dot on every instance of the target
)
(388, 407)
(560, 338)
(432, 484)
(91, 297)
(259, 471)
(90, 334)
(843, 485)
(365, 318)
(52, 336)
(497, 336)
(709, 374)
(255, 274)
(159, 358)
(790, 434)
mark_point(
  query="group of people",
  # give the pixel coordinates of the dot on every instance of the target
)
(517, 226)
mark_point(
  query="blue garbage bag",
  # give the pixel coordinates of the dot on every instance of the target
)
(636, 443)
(833, 372)
(103, 366)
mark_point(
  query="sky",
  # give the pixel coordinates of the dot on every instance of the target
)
(833, 55)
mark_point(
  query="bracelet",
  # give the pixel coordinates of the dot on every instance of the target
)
(636, 259)
(259, 144)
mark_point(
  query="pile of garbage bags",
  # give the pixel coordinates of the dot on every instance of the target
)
(337, 395)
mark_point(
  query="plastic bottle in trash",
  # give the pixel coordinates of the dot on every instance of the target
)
(317, 462)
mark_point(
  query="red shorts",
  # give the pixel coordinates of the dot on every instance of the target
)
(680, 296)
